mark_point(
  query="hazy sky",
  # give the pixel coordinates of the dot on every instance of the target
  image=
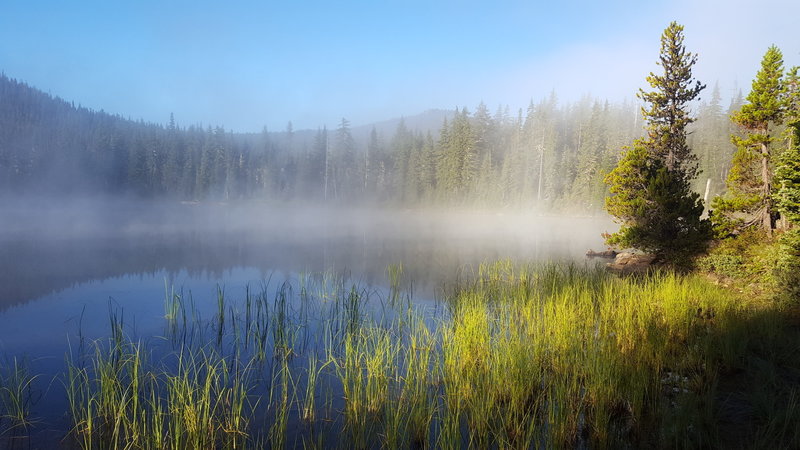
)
(247, 64)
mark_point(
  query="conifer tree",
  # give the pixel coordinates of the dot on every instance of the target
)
(667, 115)
(787, 179)
(371, 154)
(462, 148)
(650, 187)
(657, 209)
(787, 173)
(711, 139)
(428, 165)
(401, 148)
(346, 176)
(791, 93)
(318, 167)
(750, 179)
(448, 169)
(588, 160)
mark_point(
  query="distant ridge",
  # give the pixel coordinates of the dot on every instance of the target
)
(424, 122)
(428, 121)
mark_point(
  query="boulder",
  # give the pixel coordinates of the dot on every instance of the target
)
(628, 262)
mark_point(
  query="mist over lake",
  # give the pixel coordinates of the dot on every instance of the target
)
(66, 266)
(51, 246)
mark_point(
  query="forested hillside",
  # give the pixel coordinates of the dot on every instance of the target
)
(552, 155)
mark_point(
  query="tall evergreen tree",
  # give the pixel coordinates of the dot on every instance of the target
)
(591, 148)
(427, 167)
(548, 147)
(668, 115)
(484, 132)
(650, 187)
(446, 169)
(787, 173)
(319, 162)
(787, 179)
(347, 177)
(750, 179)
(462, 146)
(792, 102)
(372, 155)
(401, 148)
(711, 138)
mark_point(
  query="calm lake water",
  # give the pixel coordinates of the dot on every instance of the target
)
(67, 269)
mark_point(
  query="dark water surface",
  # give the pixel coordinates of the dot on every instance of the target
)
(67, 269)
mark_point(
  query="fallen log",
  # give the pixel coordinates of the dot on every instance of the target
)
(603, 254)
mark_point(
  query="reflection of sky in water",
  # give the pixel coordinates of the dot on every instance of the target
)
(41, 327)
(41, 333)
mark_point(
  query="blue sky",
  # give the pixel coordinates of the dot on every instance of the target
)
(249, 64)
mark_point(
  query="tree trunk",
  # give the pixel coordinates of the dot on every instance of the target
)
(541, 173)
(766, 219)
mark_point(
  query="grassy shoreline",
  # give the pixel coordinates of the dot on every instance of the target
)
(545, 356)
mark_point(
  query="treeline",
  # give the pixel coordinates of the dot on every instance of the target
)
(551, 154)
(47, 144)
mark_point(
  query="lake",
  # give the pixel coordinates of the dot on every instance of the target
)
(71, 272)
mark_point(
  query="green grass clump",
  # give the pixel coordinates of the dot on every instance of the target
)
(562, 354)
(121, 401)
(16, 398)
(618, 362)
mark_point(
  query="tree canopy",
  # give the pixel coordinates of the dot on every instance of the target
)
(650, 188)
(749, 198)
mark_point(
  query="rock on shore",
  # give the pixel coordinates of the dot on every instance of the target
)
(627, 262)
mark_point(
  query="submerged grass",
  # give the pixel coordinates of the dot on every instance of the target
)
(16, 398)
(538, 356)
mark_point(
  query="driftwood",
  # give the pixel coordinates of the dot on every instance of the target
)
(603, 254)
